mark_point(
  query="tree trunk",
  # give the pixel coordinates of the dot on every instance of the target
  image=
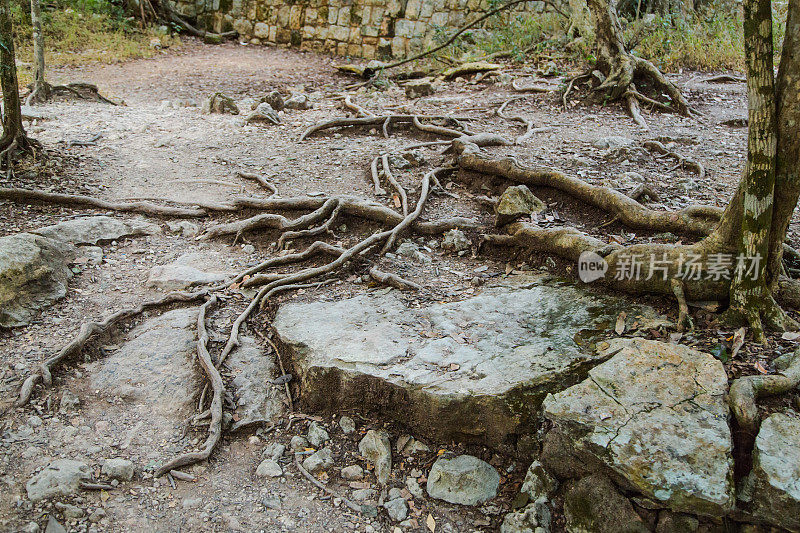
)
(748, 292)
(13, 132)
(41, 89)
(787, 175)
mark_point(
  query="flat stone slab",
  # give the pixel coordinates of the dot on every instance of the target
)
(93, 230)
(186, 271)
(773, 486)
(474, 370)
(655, 415)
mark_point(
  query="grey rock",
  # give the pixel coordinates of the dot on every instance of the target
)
(252, 368)
(419, 88)
(269, 468)
(69, 510)
(411, 250)
(464, 479)
(275, 100)
(594, 504)
(299, 101)
(347, 425)
(274, 451)
(669, 522)
(363, 495)
(118, 468)
(183, 227)
(263, 113)
(94, 230)
(533, 518)
(62, 477)
(69, 402)
(455, 241)
(34, 271)
(352, 472)
(516, 201)
(54, 526)
(397, 509)
(298, 443)
(152, 376)
(272, 502)
(30, 527)
(775, 478)
(612, 142)
(92, 254)
(655, 415)
(376, 448)
(219, 103)
(526, 339)
(186, 272)
(538, 482)
(317, 436)
(413, 487)
(97, 515)
(319, 461)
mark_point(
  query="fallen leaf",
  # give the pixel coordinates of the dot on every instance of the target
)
(738, 341)
(397, 202)
(758, 366)
(454, 366)
(431, 523)
(104, 496)
(620, 327)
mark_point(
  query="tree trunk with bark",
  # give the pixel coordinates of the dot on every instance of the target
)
(41, 89)
(14, 137)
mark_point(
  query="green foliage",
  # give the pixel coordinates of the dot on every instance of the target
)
(79, 31)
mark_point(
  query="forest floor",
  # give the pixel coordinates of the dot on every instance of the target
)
(159, 145)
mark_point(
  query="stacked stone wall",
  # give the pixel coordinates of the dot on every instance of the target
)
(372, 29)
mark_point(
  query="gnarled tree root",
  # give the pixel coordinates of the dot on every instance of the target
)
(92, 329)
(218, 392)
(745, 391)
(691, 164)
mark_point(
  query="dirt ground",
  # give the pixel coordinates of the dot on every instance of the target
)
(159, 145)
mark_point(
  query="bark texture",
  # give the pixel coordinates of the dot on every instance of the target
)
(13, 132)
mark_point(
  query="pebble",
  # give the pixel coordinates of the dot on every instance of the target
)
(269, 468)
(347, 425)
(397, 509)
(298, 443)
(317, 436)
(352, 472)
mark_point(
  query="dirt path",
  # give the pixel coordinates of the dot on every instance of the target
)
(160, 145)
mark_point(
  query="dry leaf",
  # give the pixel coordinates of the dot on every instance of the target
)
(738, 341)
(760, 367)
(454, 366)
(620, 327)
(397, 202)
(104, 496)
(431, 523)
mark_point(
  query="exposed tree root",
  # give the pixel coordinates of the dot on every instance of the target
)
(143, 207)
(349, 503)
(745, 391)
(375, 120)
(81, 90)
(393, 280)
(261, 180)
(376, 179)
(683, 162)
(218, 390)
(698, 220)
(90, 330)
(401, 192)
(529, 126)
(684, 318)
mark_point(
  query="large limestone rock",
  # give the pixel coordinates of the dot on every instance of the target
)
(594, 504)
(774, 483)
(62, 477)
(34, 271)
(257, 400)
(474, 370)
(93, 230)
(655, 416)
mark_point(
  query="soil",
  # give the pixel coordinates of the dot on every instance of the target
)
(159, 145)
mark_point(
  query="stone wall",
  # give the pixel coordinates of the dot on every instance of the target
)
(372, 29)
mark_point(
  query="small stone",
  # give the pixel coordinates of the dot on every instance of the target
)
(93, 254)
(419, 88)
(299, 101)
(397, 509)
(183, 227)
(352, 472)
(69, 510)
(30, 527)
(263, 113)
(54, 526)
(62, 477)
(362, 495)
(274, 451)
(34, 421)
(394, 493)
(249, 249)
(516, 201)
(219, 103)
(376, 448)
(272, 502)
(347, 425)
(455, 241)
(275, 100)
(97, 515)
(317, 436)
(464, 479)
(538, 482)
(413, 487)
(298, 444)
(612, 142)
(121, 469)
(319, 461)
(269, 468)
